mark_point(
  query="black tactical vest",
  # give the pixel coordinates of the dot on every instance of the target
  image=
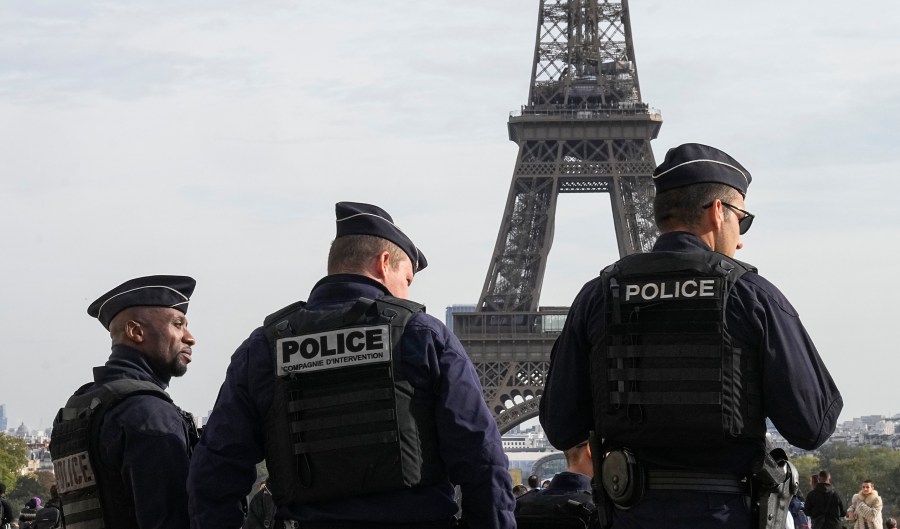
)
(570, 510)
(88, 501)
(343, 421)
(667, 372)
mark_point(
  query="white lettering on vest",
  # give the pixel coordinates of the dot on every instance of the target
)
(73, 472)
(655, 291)
(338, 348)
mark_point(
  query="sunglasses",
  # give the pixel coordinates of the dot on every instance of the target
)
(744, 222)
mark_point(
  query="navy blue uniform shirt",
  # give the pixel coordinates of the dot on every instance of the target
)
(567, 482)
(223, 468)
(799, 394)
(145, 440)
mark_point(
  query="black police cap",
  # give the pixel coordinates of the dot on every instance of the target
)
(693, 163)
(356, 218)
(151, 291)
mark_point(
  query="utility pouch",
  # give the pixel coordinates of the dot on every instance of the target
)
(623, 478)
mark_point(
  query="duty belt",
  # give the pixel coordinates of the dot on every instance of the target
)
(291, 524)
(697, 481)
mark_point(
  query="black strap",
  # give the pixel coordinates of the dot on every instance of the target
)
(697, 481)
(657, 374)
(662, 351)
(339, 443)
(338, 400)
(666, 397)
(350, 419)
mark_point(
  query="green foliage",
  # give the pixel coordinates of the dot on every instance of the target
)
(13, 456)
(807, 465)
(850, 465)
(27, 487)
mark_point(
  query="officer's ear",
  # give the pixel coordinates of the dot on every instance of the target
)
(382, 265)
(134, 331)
(715, 215)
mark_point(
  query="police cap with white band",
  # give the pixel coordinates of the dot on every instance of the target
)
(693, 163)
(151, 291)
(356, 218)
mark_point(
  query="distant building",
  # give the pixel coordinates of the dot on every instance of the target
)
(884, 427)
(453, 309)
(871, 420)
(3, 419)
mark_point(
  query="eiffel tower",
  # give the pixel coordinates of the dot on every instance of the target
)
(584, 129)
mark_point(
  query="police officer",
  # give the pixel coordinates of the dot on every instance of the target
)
(366, 409)
(566, 500)
(120, 446)
(675, 358)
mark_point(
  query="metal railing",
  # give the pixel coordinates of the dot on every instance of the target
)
(550, 113)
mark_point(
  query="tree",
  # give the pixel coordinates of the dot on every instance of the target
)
(27, 487)
(850, 465)
(13, 456)
(806, 465)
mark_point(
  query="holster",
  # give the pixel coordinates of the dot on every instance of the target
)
(775, 481)
(601, 500)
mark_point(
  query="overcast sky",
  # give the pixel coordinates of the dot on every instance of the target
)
(212, 139)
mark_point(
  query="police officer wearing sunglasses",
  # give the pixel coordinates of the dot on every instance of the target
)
(674, 359)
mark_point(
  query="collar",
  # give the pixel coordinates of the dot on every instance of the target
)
(680, 241)
(126, 360)
(570, 481)
(339, 289)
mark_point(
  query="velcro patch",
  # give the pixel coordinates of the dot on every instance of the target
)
(333, 349)
(680, 289)
(73, 472)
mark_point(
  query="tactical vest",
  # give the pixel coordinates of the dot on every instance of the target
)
(570, 510)
(344, 422)
(667, 372)
(88, 502)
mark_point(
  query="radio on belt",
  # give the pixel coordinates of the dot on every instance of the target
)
(331, 349)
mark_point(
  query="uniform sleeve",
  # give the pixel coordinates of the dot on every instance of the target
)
(469, 441)
(223, 466)
(800, 397)
(147, 434)
(566, 410)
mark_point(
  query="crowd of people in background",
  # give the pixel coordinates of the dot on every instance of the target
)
(34, 515)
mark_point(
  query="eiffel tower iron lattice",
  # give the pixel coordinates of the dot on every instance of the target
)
(584, 129)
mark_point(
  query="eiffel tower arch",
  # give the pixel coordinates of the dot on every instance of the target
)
(585, 129)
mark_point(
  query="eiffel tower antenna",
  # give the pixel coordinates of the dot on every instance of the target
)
(584, 129)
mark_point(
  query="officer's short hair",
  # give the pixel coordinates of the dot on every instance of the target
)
(572, 454)
(824, 475)
(354, 253)
(684, 205)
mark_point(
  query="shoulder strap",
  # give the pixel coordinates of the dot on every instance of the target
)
(406, 304)
(106, 396)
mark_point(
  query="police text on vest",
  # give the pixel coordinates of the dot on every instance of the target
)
(667, 290)
(73, 472)
(332, 349)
